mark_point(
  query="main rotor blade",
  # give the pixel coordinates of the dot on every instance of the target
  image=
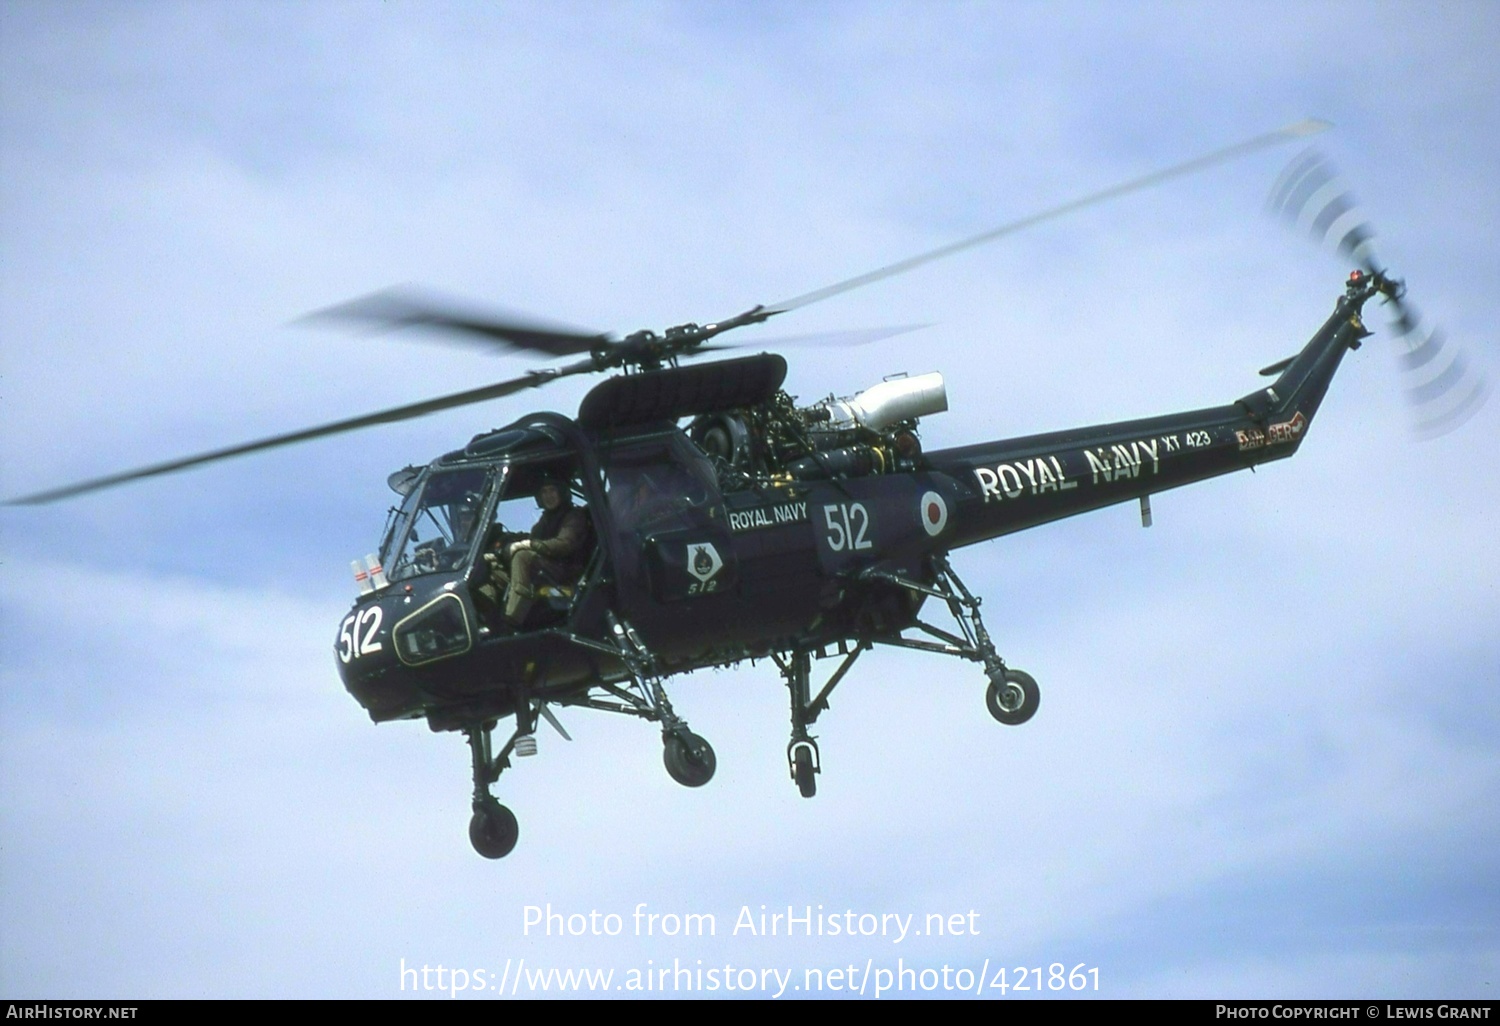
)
(535, 379)
(1296, 131)
(847, 338)
(404, 307)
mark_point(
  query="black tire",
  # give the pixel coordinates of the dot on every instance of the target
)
(493, 830)
(802, 772)
(689, 759)
(1015, 701)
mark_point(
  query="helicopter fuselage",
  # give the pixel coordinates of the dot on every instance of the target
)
(763, 529)
(717, 576)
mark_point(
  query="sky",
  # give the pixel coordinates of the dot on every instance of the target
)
(1267, 759)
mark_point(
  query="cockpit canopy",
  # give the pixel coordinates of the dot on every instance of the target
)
(448, 512)
(437, 525)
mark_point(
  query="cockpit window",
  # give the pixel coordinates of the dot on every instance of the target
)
(659, 486)
(438, 524)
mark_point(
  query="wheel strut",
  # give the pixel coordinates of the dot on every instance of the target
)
(803, 760)
(689, 759)
(493, 830)
(1012, 695)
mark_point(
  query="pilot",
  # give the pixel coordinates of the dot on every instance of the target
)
(630, 502)
(557, 547)
(439, 554)
(465, 519)
(646, 501)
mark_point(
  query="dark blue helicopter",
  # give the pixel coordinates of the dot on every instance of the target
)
(725, 522)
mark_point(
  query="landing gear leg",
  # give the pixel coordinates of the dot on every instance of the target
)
(689, 759)
(803, 760)
(802, 752)
(1012, 696)
(493, 829)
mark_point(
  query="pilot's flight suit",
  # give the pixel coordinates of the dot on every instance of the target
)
(558, 548)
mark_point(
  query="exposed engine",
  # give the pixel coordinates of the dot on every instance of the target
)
(874, 432)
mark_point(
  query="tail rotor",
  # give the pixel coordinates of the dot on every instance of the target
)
(1443, 387)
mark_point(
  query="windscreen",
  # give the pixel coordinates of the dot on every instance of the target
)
(438, 523)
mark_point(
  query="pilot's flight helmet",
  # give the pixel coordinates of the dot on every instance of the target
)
(564, 491)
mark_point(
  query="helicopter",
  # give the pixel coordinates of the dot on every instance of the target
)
(724, 522)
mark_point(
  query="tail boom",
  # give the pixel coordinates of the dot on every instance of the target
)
(1013, 484)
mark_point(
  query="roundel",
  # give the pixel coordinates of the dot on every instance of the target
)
(934, 513)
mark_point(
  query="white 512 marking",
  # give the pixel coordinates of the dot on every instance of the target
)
(848, 526)
(351, 645)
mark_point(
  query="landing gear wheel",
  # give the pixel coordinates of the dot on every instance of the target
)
(493, 830)
(1015, 701)
(689, 759)
(802, 772)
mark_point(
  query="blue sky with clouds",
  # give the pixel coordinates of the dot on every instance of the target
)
(1267, 761)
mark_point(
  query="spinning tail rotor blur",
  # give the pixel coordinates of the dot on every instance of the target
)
(1443, 386)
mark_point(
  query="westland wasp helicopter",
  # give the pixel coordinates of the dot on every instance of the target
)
(728, 523)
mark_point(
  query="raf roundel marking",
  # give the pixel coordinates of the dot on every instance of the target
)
(934, 513)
